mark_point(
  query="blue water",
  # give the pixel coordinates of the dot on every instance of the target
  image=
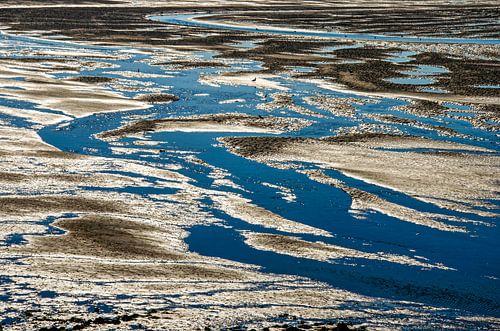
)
(412, 81)
(426, 70)
(473, 286)
(489, 86)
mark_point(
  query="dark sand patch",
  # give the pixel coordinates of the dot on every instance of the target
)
(193, 64)
(158, 98)
(180, 271)
(25, 205)
(232, 122)
(414, 123)
(106, 237)
(92, 79)
(284, 100)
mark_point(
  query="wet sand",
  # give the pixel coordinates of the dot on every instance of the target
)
(115, 239)
(447, 176)
(234, 122)
(101, 241)
(73, 98)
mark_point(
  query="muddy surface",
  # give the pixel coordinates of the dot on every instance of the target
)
(363, 156)
(156, 98)
(230, 166)
(220, 122)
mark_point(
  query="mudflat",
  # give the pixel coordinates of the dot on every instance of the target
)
(267, 165)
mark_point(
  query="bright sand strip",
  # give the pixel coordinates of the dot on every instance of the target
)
(241, 208)
(34, 116)
(321, 251)
(210, 127)
(72, 98)
(257, 80)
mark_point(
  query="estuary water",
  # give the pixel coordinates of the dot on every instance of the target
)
(468, 285)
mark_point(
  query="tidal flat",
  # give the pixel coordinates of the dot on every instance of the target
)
(249, 165)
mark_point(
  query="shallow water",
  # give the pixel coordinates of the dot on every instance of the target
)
(489, 86)
(434, 90)
(412, 81)
(426, 70)
(471, 287)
